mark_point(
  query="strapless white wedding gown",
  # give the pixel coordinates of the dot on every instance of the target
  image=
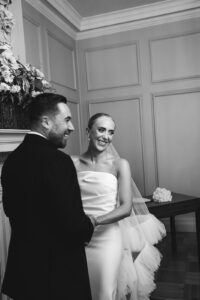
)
(113, 272)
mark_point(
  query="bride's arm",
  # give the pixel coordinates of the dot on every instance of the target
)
(74, 157)
(75, 160)
(124, 193)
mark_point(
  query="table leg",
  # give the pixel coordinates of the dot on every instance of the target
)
(173, 234)
(197, 215)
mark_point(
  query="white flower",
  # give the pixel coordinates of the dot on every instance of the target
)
(34, 93)
(7, 21)
(19, 82)
(28, 67)
(15, 89)
(8, 78)
(4, 87)
(162, 195)
(39, 74)
(46, 84)
(7, 54)
(5, 2)
(15, 66)
(4, 47)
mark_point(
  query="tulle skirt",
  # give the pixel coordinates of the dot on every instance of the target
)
(122, 259)
(140, 258)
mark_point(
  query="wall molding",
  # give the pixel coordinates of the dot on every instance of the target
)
(175, 92)
(10, 139)
(116, 99)
(164, 38)
(39, 36)
(153, 105)
(167, 11)
(138, 13)
(124, 15)
(68, 11)
(50, 15)
(109, 47)
(139, 24)
(48, 34)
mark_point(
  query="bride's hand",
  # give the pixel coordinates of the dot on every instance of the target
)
(93, 221)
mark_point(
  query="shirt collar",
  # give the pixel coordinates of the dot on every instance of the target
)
(36, 133)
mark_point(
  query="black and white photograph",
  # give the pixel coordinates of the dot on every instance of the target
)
(99, 150)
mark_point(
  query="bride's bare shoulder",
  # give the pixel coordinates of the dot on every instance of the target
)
(121, 164)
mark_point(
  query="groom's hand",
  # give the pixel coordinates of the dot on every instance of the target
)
(93, 221)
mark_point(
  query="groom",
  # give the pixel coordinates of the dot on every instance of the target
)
(41, 197)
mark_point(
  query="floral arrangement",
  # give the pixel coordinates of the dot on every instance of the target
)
(162, 195)
(7, 21)
(18, 82)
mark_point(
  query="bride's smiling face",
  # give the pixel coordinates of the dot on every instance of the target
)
(101, 133)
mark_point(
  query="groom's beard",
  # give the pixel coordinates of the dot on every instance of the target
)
(58, 139)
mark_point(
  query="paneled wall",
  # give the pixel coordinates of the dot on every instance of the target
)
(148, 80)
(177, 137)
(175, 57)
(114, 58)
(53, 51)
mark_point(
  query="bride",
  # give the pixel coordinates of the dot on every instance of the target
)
(121, 257)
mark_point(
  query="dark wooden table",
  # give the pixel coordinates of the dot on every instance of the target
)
(180, 204)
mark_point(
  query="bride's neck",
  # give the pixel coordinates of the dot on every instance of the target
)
(94, 156)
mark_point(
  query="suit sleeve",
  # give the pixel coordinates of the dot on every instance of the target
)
(66, 201)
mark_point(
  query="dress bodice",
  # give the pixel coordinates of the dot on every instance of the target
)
(98, 192)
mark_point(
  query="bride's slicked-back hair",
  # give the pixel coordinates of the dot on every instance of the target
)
(42, 104)
(93, 118)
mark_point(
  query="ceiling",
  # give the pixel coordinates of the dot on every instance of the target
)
(87, 8)
(83, 19)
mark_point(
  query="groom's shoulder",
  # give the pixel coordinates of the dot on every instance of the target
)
(62, 155)
(57, 156)
(61, 160)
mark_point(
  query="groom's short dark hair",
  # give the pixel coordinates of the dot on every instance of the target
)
(45, 103)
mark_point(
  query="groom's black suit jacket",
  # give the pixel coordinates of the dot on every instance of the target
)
(41, 197)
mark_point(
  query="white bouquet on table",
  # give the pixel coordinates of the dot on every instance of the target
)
(162, 195)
